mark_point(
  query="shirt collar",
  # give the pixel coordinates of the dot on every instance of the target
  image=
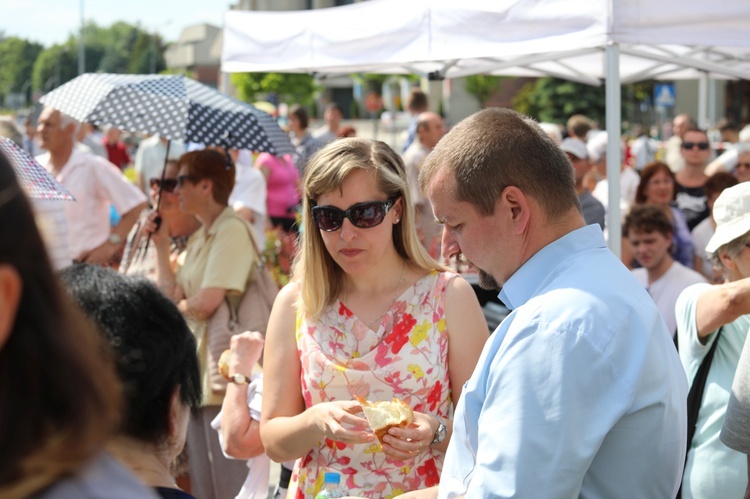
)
(226, 213)
(526, 281)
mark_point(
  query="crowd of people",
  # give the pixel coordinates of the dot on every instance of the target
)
(111, 362)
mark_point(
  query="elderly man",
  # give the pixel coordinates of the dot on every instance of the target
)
(715, 319)
(96, 183)
(430, 129)
(579, 392)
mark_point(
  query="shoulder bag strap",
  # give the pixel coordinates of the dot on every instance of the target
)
(695, 395)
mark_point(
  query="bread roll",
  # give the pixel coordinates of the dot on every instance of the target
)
(385, 415)
(224, 364)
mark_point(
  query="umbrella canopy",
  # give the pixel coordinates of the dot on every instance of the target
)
(36, 182)
(172, 106)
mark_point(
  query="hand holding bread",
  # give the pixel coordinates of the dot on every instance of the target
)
(244, 353)
(402, 433)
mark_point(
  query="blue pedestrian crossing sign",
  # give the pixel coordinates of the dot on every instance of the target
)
(664, 95)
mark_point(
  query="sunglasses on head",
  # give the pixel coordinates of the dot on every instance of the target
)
(701, 145)
(167, 185)
(361, 215)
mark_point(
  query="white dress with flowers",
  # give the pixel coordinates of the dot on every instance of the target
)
(406, 357)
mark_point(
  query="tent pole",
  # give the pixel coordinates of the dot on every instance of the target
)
(703, 100)
(614, 162)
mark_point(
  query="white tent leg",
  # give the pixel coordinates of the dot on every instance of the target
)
(613, 124)
(703, 100)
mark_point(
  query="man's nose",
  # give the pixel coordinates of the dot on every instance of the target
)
(450, 247)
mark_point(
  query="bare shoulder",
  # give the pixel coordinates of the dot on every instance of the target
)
(459, 288)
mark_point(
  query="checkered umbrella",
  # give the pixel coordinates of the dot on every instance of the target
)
(36, 182)
(172, 106)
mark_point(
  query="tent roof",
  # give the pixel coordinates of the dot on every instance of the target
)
(446, 38)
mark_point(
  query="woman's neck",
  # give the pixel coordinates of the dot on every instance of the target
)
(148, 462)
(183, 224)
(209, 215)
(379, 280)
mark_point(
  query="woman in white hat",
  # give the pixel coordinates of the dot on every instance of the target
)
(712, 324)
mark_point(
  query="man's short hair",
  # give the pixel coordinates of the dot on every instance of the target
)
(717, 182)
(647, 218)
(417, 101)
(693, 129)
(579, 125)
(507, 149)
(334, 107)
(725, 124)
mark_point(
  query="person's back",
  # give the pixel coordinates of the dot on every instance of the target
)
(629, 447)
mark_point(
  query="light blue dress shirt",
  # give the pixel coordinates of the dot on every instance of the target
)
(578, 393)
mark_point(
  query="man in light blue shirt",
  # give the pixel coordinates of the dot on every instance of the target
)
(579, 392)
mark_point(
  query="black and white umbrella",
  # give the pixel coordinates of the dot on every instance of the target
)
(172, 106)
(37, 182)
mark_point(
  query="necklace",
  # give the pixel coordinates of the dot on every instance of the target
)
(395, 297)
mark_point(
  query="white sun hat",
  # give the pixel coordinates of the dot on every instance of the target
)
(732, 216)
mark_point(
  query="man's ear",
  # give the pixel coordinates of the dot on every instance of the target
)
(11, 289)
(515, 202)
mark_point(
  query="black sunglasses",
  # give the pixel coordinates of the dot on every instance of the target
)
(701, 145)
(361, 215)
(182, 178)
(167, 185)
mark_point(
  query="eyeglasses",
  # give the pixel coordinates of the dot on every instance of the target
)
(701, 145)
(361, 215)
(182, 178)
(167, 185)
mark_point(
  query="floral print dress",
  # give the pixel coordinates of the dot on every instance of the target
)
(405, 357)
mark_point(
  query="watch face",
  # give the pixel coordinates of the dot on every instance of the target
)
(240, 379)
(115, 239)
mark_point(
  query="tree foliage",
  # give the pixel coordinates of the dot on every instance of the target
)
(555, 100)
(17, 58)
(119, 48)
(483, 86)
(293, 88)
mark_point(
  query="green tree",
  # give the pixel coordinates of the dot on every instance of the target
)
(483, 86)
(292, 88)
(54, 66)
(17, 58)
(555, 100)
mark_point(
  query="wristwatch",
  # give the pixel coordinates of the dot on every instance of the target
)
(114, 239)
(440, 433)
(240, 379)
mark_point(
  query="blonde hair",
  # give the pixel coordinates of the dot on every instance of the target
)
(320, 278)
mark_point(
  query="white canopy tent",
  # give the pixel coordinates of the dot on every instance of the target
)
(589, 41)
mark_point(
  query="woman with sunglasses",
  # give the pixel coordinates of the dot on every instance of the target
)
(217, 264)
(657, 187)
(140, 258)
(368, 314)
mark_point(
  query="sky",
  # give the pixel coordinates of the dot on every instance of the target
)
(52, 21)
